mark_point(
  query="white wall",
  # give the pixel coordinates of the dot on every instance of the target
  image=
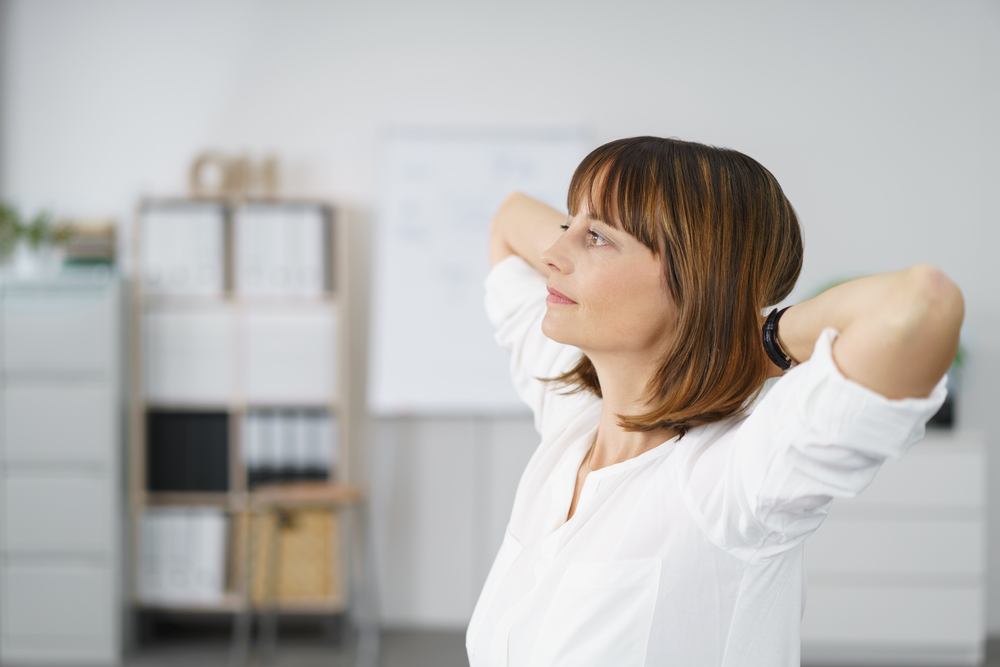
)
(879, 120)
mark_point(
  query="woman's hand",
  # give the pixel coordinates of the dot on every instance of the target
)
(525, 227)
(898, 331)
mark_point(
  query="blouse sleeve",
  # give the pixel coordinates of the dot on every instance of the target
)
(515, 304)
(815, 436)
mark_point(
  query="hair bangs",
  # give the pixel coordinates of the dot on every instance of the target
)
(620, 187)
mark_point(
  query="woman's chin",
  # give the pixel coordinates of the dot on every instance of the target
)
(552, 330)
(558, 331)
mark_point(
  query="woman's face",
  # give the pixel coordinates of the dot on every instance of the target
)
(606, 291)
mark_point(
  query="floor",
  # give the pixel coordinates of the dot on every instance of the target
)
(297, 649)
(175, 643)
(398, 649)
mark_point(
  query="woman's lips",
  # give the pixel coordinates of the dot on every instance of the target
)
(556, 296)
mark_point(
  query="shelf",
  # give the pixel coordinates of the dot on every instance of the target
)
(287, 404)
(193, 498)
(188, 406)
(230, 298)
(305, 495)
(287, 301)
(173, 300)
(228, 603)
(233, 603)
(228, 350)
(283, 494)
(243, 406)
(332, 607)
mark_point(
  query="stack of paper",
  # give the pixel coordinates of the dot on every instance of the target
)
(182, 555)
(288, 445)
(183, 249)
(281, 249)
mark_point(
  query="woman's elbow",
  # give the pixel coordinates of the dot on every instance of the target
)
(937, 310)
(941, 301)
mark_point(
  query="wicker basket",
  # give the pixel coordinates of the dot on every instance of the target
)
(309, 573)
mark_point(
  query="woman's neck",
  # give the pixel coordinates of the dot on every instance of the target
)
(623, 386)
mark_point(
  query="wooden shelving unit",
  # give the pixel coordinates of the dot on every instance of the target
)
(237, 313)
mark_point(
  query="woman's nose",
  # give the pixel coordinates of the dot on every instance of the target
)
(555, 256)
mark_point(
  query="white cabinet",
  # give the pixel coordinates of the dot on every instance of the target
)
(60, 466)
(897, 574)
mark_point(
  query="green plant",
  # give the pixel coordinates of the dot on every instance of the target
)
(959, 357)
(10, 226)
(38, 231)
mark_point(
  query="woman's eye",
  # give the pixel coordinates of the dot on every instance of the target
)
(597, 238)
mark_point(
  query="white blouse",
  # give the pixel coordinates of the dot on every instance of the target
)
(690, 554)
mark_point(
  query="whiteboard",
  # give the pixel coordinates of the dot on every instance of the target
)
(432, 347)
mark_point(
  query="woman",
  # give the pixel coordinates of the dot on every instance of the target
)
(661, 521)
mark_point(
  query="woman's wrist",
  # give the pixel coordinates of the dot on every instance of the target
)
(788, 334)
(779, 357)
(800, 326)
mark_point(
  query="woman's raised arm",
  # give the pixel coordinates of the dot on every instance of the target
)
(898, 331)
(525, 227)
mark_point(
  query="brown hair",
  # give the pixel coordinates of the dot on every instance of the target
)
(730, 244)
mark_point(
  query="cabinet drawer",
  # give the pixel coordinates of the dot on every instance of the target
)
(57, 605)
(900, 616)
(63, 331)
(84, 431)
(49, 512)
(932, 474)
(919, 547)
